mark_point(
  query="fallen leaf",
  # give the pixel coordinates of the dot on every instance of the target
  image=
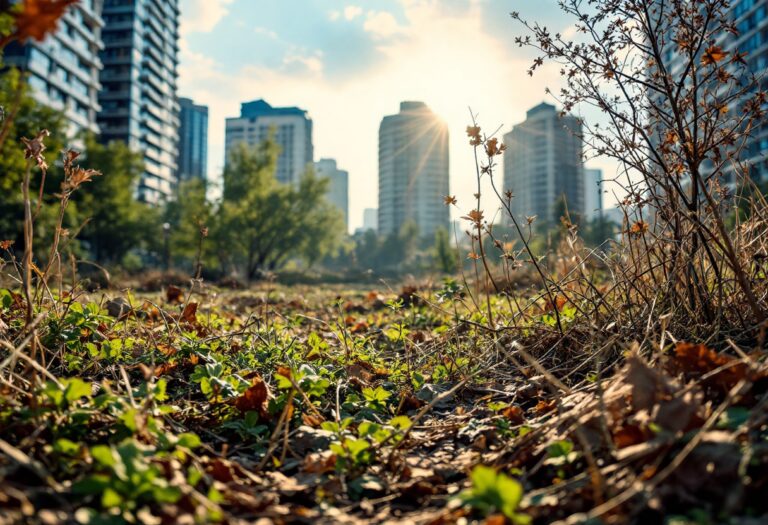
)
(174, 294)
(255, 399)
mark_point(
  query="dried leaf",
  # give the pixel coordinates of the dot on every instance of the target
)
(189, 314)
(713, 55)
(255, 399)
(174, 294)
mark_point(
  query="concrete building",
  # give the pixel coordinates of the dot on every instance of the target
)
(292, 130)
(139, 104)
(593, 194)
(338, 189)
(413, 170)
(371, 219)
(63, 70)
(543, 163)
(193, 141)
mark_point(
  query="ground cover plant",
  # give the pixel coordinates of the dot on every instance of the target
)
(625, 384)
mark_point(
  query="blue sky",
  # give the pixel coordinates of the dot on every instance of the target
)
(350, 63)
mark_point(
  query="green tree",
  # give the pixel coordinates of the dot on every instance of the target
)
(115, 222)
(187, 215)
(262, 223)
(23, 117)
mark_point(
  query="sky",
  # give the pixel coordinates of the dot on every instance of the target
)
(349, 63)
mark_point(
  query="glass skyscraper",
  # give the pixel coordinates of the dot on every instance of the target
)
(63, 70)
(542, 163)
(139, 104)
(751, 19)
(292, 129)
(193, 144)
(413, 170)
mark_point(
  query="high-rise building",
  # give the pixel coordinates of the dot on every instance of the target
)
(370, 219)
(593, 193)
(139, 104)
(292, 130)
(413, 170)
(338, 189)
(193, 141)
(63, 70)
(543, 163)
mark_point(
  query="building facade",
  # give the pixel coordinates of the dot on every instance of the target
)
(338, 189)
(543, 163)
(63, 70)
(292, 129)
(139, 104)
(413, 170)
(370, 219)
(593, 193)
(193, 141)
(751, 19)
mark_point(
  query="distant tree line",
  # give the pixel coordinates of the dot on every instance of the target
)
(257, 225)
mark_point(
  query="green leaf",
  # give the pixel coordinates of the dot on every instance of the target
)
(91, 485)
(283, 383)
(483, 479)
(189, 440)
(560, 449)
(66, 447)
(104, 455)
(401, 422)
(166, 494)
(110, 498)
(75, 389)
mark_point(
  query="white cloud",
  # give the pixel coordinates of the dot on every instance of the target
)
(201, 16)
(381, 24)
(352, 11)
(298, 63)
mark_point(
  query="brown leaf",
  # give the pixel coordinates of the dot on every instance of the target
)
(189, 314)
(514, 414)
(628, 435)
(37, 18)
(221, 470)
(638, 228)
(713, 55)
(648, 385)
(543, 407)
(174, 294)
(694, 361)
(255, 399)
(560, 302)
(311, 420)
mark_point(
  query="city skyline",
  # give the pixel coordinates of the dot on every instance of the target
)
(349, 64)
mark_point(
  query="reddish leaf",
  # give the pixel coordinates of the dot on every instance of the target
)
(37, 18)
